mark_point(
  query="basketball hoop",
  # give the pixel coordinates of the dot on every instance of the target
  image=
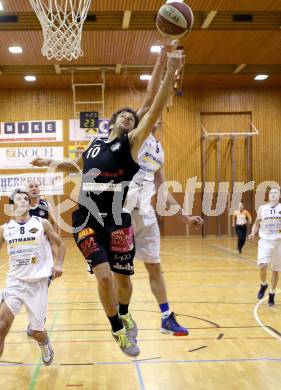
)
(62, 22)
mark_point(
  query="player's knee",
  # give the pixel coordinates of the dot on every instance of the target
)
(154, 270)
(4, 326)
(105, 280)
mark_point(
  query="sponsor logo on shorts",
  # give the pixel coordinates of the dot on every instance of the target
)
(126, 267)
(126, 257)
(89, 246)
(85, 233)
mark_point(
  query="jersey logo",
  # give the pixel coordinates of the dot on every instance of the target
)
(157, 149)
(33, 260)
(33, 230)
(116, 147)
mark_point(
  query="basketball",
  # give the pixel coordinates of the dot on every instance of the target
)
(174, 19)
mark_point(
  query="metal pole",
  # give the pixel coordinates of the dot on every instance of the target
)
(218, 169)
(233, 170)
(203, 178)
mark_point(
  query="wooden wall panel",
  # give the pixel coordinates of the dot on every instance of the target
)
(181, 131)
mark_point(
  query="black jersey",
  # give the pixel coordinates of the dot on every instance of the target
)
(108, 167)
(41, 210)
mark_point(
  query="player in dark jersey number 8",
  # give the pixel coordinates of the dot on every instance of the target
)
(101, 240)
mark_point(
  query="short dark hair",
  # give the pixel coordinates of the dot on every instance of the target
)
(14, 193)
(125, 109)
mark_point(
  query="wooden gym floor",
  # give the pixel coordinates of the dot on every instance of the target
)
(234, 340)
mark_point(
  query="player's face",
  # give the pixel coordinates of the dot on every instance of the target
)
(241, 206)
(125, 121)
(33, 190)
(274, 195)
(21, 204)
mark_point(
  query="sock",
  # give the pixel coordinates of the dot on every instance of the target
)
(272, 291)
(165, 310)
(123, 309)
(116, 323)
(263, 283)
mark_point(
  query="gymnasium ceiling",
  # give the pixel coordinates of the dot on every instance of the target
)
(227, 53)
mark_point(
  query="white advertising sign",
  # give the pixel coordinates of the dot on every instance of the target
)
(78, 134)
(20, 158)
(31, 131)
(50, 183)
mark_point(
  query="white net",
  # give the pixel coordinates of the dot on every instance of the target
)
(62, 23)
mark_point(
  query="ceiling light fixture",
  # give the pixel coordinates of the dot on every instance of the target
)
(155, 49)
(260, 77)
(145, 77)
(15, 49)
(1, 6)
(30, 78)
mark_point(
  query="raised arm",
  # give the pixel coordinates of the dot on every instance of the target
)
(67, 165)
(156, 77)
(138, 135)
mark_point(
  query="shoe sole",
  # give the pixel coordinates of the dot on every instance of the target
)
(166, 331)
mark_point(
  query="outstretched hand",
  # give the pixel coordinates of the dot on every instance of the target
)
(196, 220)
(39, 162)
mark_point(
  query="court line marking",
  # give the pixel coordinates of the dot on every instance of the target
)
(233, 360)
(262, 325)
(139, 376)
(3, 265)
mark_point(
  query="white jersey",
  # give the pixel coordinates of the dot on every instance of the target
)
(241, 218)
(270, 227)
(142, 188)
(29, 250)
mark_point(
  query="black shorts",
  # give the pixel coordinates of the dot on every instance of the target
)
(109, 243)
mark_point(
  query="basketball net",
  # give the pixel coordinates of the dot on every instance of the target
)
(62, 22)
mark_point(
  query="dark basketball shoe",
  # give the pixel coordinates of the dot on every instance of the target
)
(262, 291)
(271, 301)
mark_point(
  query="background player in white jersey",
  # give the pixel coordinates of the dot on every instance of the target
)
(30, 265)
(144, 185)
(268, 224)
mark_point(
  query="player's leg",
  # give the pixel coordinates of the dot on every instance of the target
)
(6, 320)
(92, 242)
(147, 238)
(264, 253)
(10, 305)
(36, 303)
(243, 236)
(276, 268)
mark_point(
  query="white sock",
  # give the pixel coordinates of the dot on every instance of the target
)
(166, 314)
(263, 283)
(272, 291)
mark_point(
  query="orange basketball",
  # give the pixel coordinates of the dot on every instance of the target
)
(174, 19)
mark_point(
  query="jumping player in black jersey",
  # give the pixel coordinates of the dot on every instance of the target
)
(102, 231)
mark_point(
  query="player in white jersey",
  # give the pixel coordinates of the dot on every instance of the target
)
(30, 265)
(268, 224)
(144, 185)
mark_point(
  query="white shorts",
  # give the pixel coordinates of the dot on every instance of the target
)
(33, 295)
(269, 252)
(147, 236)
